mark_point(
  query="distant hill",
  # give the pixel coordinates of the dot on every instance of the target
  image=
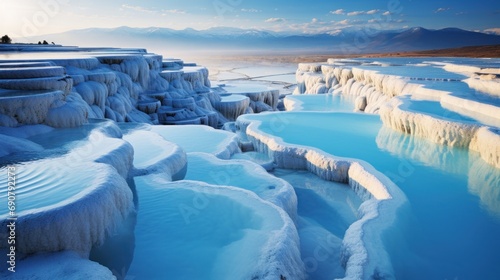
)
(234, 40)
(418, 39)
(489, 51)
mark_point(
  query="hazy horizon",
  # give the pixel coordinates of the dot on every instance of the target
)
(35, 18)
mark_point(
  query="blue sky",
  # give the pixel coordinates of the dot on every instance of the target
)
(36, 17)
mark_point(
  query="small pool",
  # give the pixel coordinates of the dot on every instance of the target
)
(435, 108)
(454, 225)
(320, 102)
(192, 230)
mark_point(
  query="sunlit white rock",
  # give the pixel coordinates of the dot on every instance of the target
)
(204, 139)
(485, 84)
(442, 130)
(242, 174)
(153, 154)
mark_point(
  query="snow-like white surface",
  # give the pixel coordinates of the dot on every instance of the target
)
(25, 64)
(139, 87)
(153, 154)
(62, 83)
(204, 139)
(68, 114)
(380, 85)
(485, 84)
(66, 207)
(121, 85)
(199, 237)
(29, 108)
(419, 98)
(70, 185)
(446, 131)
(31, 72)
(242, 174)
(124, 86)
(97, 142)
(262, 97)
(435, 193)
(443, 129)
(487, 143)
(362, 244)
(461, 69)
(233, 106)
(485, 113)
(62, 265)
(311, 83)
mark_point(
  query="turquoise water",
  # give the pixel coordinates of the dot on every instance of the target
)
(479, 62)
(323, 102)
(414, 72)
(435, 108)
(453, 229)
(191, 230)
(326, 209)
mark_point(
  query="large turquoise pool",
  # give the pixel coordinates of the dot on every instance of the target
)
(454, 223)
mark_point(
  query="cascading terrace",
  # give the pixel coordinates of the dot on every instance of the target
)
(449, 113)
(65, 89)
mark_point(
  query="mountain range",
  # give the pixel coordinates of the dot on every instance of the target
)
(235, 40)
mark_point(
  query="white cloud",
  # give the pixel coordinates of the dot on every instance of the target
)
(151, 11)
(386, 13)
(358, 13)
(338, 12)
(251, 10)
(495, 31)
(335, 32)
(174, 11)
(355, 13)
(138, 8)
(315, 26)
(336, 27)
(440, 10)
(275, 20)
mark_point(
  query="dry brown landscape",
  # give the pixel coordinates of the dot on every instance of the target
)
(474, 51)
(492, 51)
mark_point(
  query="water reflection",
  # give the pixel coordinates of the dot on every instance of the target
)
(484, 181)
(444, 158)
(483, 178)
